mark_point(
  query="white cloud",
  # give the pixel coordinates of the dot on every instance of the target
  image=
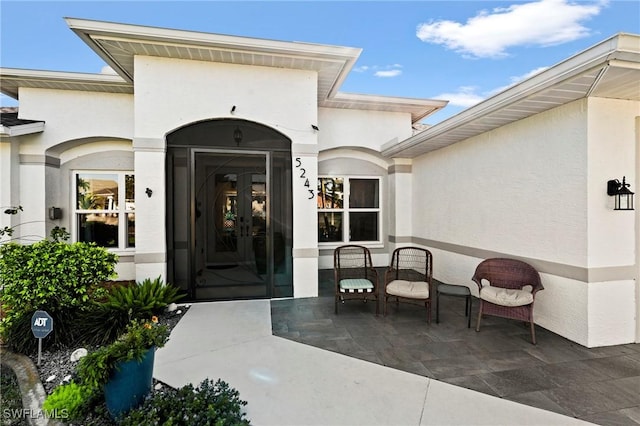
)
(464, 97)
(384, 71)
(389, 73)
(490, 34)
(517, 79)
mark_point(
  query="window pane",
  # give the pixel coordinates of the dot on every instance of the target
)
(97, 192)
(129, 191)
(329, 227)
(363, 193)
(330, 193)
(100, 228)
(131, 229)
(363, 226)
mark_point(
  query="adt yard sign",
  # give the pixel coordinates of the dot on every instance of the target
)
(41, 324)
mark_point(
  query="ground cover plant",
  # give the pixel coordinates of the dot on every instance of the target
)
(10, 398)
(55, 276)
(68, 281)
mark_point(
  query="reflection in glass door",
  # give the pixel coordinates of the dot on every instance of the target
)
(229, 211)
(232, 214)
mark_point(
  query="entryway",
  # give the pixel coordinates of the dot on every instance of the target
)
(229, 211)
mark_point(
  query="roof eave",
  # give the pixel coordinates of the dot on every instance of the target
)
(619, 46)
(23, 129)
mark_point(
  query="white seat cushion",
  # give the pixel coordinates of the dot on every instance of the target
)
(358, 285)
(408, 289)
(506, 296)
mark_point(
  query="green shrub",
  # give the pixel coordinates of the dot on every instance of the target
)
(147, 297)
(70, 400)
(51, 276)
(19, 338)
(208, 404)
(106, 319)
(95, 368)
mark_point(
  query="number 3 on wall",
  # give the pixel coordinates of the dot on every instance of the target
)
(303, 175)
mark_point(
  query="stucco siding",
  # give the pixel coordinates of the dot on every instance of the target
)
(612, 155)
(75, 115)
(171, 93)
(340, 128)
(520, 189)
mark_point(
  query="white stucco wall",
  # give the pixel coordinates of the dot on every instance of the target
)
(174, 93)
(70, 115)
(340, 128)
(612, 235)
(536, 189)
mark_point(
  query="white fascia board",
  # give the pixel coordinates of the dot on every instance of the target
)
(142, 32)
(592, 58)
(61, 75)
(23, 129)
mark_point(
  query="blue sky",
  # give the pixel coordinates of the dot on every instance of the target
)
(461, 51)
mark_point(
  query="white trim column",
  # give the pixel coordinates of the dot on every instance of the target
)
(400, 192)
(151, 238)
(305, 218)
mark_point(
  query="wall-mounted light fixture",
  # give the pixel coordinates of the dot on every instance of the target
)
(237, 135)
(149, 192)
(621, 193)
(55, 213)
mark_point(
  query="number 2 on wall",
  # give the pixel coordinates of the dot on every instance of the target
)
(303, 175)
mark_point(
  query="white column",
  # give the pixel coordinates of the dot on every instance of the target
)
(151, 239)
(400, 192)
(305, 220)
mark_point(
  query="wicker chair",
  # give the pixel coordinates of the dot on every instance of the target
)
(507, 289)
(355, 276)
(409, 278)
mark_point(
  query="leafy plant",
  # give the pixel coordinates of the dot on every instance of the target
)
(19, 338)
(52, 276)
(106, 319)
(71, 399)
(95, 368)
(208, 404)
(149, 296)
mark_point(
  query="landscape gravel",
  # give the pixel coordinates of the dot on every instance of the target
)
(57, 368)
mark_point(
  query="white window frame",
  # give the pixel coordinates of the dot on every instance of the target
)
(346, 210)
(121, 211)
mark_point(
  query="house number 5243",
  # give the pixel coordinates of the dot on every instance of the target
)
(302, 174)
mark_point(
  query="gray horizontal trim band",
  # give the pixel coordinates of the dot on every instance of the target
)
(616, 273)
(151, 258)
(149, 144)
(126, 258)
(304, 149)
(31, 159)
(399, 168)
(310, 253)
(399, 240)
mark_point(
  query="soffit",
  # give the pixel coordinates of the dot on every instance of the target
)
(118, 44)
(12, 79)
(610, 69)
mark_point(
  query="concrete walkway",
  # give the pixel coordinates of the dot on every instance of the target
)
(289, 383)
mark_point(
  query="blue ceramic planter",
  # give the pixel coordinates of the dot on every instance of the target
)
(129, 384)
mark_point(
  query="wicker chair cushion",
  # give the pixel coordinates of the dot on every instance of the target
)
(409, 289)
(358, 285)
(506, 296)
